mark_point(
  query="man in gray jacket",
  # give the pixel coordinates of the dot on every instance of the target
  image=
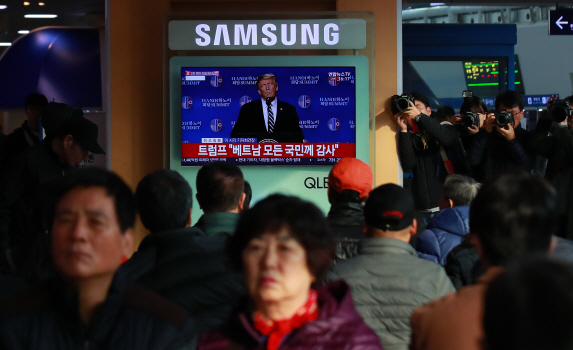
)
(387, 278)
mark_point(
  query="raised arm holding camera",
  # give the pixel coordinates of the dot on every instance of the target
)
(502, 143)
(428, 151)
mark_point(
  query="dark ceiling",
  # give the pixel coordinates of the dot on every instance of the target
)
(74, 13)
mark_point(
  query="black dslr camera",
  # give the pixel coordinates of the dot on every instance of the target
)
(560, 110)
(504, 118)
(469, 119)
(400, 103)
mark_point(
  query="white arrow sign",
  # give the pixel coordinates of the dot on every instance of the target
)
(559, 22)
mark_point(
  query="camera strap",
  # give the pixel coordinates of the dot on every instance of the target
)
(447, 163)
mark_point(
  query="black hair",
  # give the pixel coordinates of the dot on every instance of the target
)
(163, 200)
(305, 222)
(513, 216)
(444, 113)
(219, 187)
(419, 97)
(35, 100)
(345, 196)
(473, 104)
(530, 307)
(460, 189)
(248, 195)
(509, 99)
(96, 177)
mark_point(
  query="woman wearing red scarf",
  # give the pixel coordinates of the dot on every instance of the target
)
(282, 245)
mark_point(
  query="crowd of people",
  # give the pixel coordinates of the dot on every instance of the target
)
(471, 253)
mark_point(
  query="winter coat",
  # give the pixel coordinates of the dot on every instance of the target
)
(446, 230)
(388, 282)
(424, 170)
(338, 327)
(190, 269)
(345, 221)
(47, 317)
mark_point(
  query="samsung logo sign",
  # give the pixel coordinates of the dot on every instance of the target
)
(261, 35)
(246, 35)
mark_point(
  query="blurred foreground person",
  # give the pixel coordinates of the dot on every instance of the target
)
(511, 218)
(387, 277)
(179, 262)
(282, 246)
(88, 306)
(530, 307)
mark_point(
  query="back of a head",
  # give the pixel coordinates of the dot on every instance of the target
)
(35, 100)
(96, 177)
(443, 113)
(389, 207)
(219, 187)
(163, 200)
(509, 99)
(513, 216)
(530, 307)
(248, 195)
(349, 180)
(473, 104)
(460, 189)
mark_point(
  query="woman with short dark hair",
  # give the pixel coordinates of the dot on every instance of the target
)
(283, 246)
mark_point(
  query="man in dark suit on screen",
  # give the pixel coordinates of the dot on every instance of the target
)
(268, 118)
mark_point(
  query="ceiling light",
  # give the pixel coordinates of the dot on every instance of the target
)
(23, 31)
(40, 16)
(26, 3)
(5, 44)
(41, 4)
(3, 7)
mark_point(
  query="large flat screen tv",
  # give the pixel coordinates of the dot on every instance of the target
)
(316, 113)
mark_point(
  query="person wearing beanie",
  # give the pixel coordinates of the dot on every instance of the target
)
(349, 183)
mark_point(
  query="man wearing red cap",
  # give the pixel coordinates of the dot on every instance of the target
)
(349, 183)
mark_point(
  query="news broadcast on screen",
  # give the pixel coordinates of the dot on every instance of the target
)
(297, 115)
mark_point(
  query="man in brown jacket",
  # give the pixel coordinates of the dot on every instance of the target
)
(511, 217)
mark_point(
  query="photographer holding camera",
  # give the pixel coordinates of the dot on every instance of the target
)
(428, 152)
(555, 142)
(502, 144)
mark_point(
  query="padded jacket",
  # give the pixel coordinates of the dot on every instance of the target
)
(388, 282)
(338, 327)
(188, 268)
(47, 317)
(446, 230)
(345, 221)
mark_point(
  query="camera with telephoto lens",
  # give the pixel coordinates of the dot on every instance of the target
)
(504, 118)
(469, 119)
(560, 110)
(400, 103)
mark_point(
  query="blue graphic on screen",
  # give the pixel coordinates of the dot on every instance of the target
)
(324, 98)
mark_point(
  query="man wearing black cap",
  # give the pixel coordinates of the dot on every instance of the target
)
(26, 187)
(387, 278)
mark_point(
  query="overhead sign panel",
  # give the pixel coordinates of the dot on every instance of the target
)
(561, 22)
(348, 33)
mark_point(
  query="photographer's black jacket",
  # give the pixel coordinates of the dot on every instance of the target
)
(491, 154)
(424, 170)
(557, 147)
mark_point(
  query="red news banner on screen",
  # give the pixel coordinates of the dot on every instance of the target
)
(264, 150)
